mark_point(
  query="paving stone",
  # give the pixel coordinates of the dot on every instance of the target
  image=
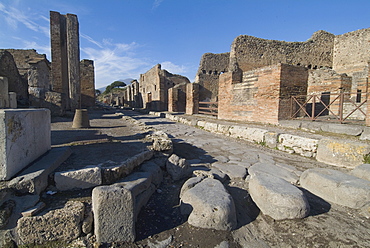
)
(212, 206)
(362, 171)
(278, 198)
(337, 187)
(155, 171)
(232, 170)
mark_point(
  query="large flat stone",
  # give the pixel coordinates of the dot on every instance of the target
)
(232, 170)
(277, 198)
(342, 129)
(114, 214)
(344, 153)
(212, 206)
(84, 178)
(25, 135)
(337, 187)
(35, 178)
(306, 147)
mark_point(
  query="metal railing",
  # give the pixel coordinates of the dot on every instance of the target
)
(330, 104)
(208, 108)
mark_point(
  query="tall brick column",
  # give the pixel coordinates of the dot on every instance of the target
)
(87, 83)
(172, 100)
(192, 99)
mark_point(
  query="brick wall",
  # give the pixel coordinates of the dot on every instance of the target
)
(261, 95)
(87, 83)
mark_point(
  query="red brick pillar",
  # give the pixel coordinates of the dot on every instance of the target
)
(192, 99)
(173, 97)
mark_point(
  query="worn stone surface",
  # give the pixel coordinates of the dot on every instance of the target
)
(337, 187)
(66, 225)
(6, 209)
(284, 172)
(213, 207)
(365, 135)
(177, 167)
(24, 137)
(136, 182)
(35, 178)
(344, 153)
(343, 129)
(271, 139)
(362, 171)
(78, 179)
(155, 171)
(232, 170)
(277, 198)
(161, 141)
(114, 218)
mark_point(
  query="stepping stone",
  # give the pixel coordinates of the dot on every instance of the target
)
(84, 178)
(277, 198)
(282, 171)
(337, 187)
(212, 206)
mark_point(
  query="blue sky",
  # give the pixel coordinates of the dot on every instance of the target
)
(127, 37)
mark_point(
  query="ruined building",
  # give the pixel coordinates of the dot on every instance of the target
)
(262, 75)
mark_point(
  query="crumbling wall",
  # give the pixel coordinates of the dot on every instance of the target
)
(248, 52)
(210, 67)
(8, 69)
(87, 83)
(154, 85)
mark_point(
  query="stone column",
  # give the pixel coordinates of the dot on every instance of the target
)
(73, 53)
(173, 97)
(192, 99)
(87, 83)
(12, 100)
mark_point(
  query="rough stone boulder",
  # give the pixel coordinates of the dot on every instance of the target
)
(210, 204)
(161, 141)
(362, 171)
(60, 224)
(277, 198)
(78, 179)
(177, 167)
(337, 187)
(286, 172)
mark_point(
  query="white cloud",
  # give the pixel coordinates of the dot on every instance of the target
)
(174, 69)
(157, 3)
(13, 16)
(114, 61)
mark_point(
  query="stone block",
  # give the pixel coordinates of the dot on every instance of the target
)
(223, 129)
(25, 136)
(78, 179)
(212, 206)
(296, 144)
(362, 171)
(136, 182)
(237, 131)
(4, 95)
(277, 198)
(66, 225)
(12, 100)
(365, 134)
(177, 167)
(34, 179)
(337, 187)
(255, 134)
(211, 127)
(114, 214)
(343, 153)
(342, 129)
(271, 139)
